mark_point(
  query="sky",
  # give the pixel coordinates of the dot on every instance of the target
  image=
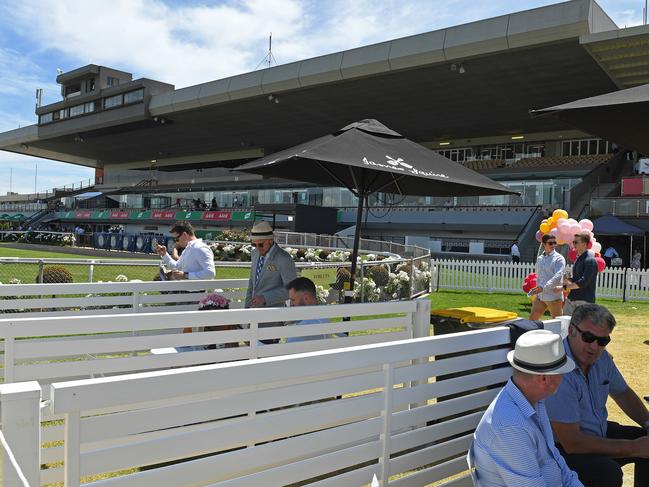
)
(190, 42)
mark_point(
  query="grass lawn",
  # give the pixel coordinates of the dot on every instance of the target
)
(27, 272)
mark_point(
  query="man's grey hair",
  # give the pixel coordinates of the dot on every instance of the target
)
(596, 313)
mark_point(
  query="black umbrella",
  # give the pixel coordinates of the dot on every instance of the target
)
(367, 157)
(620, 116)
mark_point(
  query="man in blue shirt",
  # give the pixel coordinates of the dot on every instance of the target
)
(302, 292)
(513, 444)
(584, 276)
(592, 446)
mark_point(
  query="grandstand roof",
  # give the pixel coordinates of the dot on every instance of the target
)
(619, 116)
(535, 58)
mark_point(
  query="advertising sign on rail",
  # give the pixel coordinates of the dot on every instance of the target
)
(217, 215)
(163, 215)
(120, 214)
(83, 214)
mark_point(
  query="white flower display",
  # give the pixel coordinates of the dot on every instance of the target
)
(322, 294)
(121, 278)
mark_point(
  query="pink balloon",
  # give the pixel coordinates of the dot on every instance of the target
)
(590, 245)
(574, 229)
(572, 254)
(539, 236)
(587, 224)
(585, 232)
(601, 264)
(555, 231)
(564, 227)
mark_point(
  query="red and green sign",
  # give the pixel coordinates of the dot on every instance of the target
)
(217, 215)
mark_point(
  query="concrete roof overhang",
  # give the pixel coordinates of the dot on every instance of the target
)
(413, 85)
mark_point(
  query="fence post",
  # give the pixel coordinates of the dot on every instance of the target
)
(136, 301)
(21, 426)
(490, 276)
(624, 285)
(388, 394)
(412, 277)
(91, 271)
(361, 283)
(40, 271)
(421, 318)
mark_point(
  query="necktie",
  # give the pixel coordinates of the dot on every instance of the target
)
(260, 266)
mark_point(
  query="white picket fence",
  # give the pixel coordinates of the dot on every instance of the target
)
(27, 300)
(506, 277)
(404, 411)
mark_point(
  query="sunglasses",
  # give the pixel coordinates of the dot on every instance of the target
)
(257, 245)
(588, 337)
(576, 242)
(551, 242)
(176, 238)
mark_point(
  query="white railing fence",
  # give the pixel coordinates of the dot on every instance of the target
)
(506, 277)
(56, 349)
(27, 300)
(404, 411)
(66, 347)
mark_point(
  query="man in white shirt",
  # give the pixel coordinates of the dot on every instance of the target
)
(196, 261)
(516, 253)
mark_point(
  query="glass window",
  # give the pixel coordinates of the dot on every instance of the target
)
(45, 118)
(89, 107)
(76, 110)
(134, 96)
(63, 113)
(111, 81)
(113, 101)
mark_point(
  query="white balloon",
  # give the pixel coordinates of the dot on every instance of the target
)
(597, 247)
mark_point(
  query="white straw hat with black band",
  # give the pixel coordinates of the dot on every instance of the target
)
(261, 231)
(540, 352)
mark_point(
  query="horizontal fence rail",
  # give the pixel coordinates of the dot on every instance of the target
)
(404, 411)
(27, 300)
(507, 277)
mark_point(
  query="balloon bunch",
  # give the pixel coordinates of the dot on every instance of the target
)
(530, 282)
(564, 228)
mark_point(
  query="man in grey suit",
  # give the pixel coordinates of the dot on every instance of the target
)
(272, 269)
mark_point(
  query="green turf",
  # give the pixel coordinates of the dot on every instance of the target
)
(27, 272)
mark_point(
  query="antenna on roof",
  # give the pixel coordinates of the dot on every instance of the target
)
(268, 59)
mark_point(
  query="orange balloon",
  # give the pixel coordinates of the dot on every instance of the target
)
(559, 213)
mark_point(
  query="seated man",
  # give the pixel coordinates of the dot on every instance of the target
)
(302, 292)
(513, 444)
(592, 446)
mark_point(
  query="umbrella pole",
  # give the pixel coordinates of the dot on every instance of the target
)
(357, 235)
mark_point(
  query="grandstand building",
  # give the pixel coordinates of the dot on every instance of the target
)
(464, 91)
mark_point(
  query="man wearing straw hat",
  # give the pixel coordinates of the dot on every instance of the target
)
(272, 269)
(513, 443)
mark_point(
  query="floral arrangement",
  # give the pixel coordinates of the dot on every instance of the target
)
(322, 294)
(121, 278)
(214, 301)
(370, 292)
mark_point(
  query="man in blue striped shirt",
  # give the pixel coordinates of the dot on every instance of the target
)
(513, 444)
